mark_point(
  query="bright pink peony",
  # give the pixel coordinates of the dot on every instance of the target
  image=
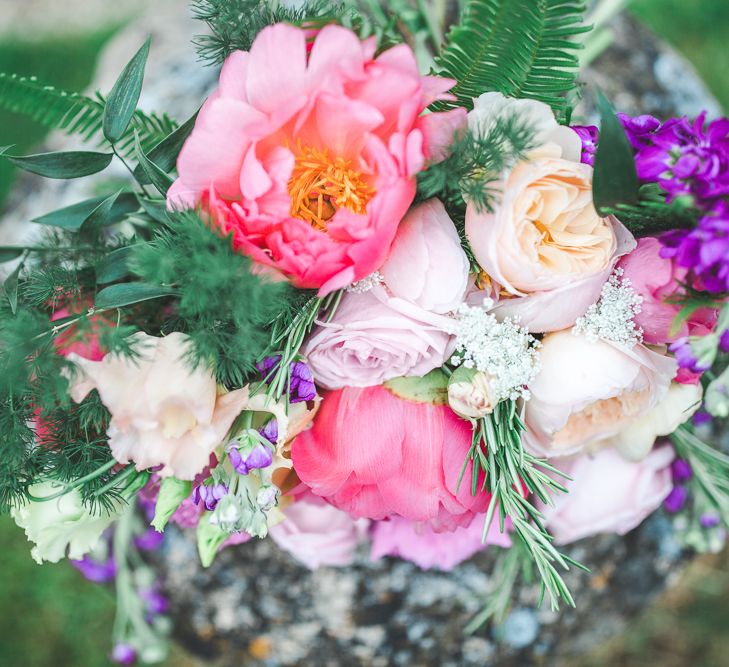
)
(309, 160)
(427, 549)
(657, 280)
(375, 455)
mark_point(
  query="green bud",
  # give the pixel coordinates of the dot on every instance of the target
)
(209, 539)
(171, 493)
(430, 388)
(716, 399)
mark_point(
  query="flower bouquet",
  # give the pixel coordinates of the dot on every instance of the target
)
(350, 302)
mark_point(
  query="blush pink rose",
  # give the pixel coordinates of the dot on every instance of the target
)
(657, 280)
(375, 455)
(587, 392)
(608, 494)
(374, 337)
(420, 544)
(308, 157)
(316, 533)
(427, 264)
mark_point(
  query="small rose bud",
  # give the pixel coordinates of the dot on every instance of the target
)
(470, 394)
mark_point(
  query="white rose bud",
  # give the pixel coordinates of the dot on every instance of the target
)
(470, 394)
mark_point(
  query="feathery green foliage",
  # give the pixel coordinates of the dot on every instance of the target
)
(521, 48)
(77, 114)
(225, 309)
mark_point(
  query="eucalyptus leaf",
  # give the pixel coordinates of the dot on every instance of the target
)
(615, 180)
(154, 174)
(165, 153)
(72, 217)
(124, 96)
(114, 266)
(68, 164)
(126, 294)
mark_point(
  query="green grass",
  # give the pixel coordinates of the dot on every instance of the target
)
(699, 29)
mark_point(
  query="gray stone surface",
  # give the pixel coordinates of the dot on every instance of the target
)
(258, 606)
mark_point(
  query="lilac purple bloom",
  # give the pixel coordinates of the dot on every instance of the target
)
(724, 341)
(589, 136)
(301, 385)
(270, 431)
(123, 654)
(700, 418)
(709, 520)
(157, 603)
(676, 499)
(209, 495)
(686, 357)
(149, 540)
(260, 456)
(681, 471)
(94, 570)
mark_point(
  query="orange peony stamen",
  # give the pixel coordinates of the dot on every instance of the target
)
(319, 185)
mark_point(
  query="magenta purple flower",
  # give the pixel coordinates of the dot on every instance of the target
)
(676, 500)
(99, 572)
(301, 381)
(261, 456)
(589, 136)
(209, 495)
(123, 654)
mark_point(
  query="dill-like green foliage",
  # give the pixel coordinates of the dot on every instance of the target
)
(225, 309)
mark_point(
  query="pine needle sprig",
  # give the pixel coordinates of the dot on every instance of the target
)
(77, 114)
(509, 473)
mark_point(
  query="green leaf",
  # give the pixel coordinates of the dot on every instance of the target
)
(521, 48)
(9, 253)
(114, 267)
(172, 492)
(69, 164)
(100, 215)
(124, 96)
(209, 539)
(126, 294)
(165, 153)
(155, 209)
(77, 114)
(615, 181)
(11, 288)
(156, 176)
(430, 388)
(72, 217)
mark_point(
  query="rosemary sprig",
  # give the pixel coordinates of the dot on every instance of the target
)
(511, 474)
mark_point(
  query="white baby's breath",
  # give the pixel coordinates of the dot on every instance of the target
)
(366, 284)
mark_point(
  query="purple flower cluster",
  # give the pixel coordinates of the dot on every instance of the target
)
(260, 456)
(690, 159)
(99, 572)
(301, 384)
(681, 473)
(589, 136)
(209, 495)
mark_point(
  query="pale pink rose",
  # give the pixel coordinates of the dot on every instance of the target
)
(544, 244)
(588, 392)
(316, 533)
(427, 264)
(374, 337)
(375, 455)
(162, 412)
(492, 107)
(657, 280)
(607, 494)
(420, 544)
(308, 157)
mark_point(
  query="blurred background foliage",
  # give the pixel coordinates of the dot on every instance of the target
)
(52, 617)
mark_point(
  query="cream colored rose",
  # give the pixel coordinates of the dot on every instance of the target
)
(588, 393)
(63, 526)
(163, 413)
(470, 394)
(544, 244)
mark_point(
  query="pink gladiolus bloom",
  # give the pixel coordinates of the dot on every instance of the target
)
(309, 158)
(375, 455)
(657, 280)
(427, 549)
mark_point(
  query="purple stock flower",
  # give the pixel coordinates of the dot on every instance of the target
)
(686, 357)
(301, 385)
(676, 500)
(681, 470)
(589, 136)
(149, 540)
(709, 520)
(260, 456)
(700, 418)
(157, 603)
(123, 654)
(270, 431)
(94, 570)
(640, 129)
(209, 495)
(724, 341)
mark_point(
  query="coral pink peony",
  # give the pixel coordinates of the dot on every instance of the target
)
(657, 280)
(608, 494)
(71, 341)
(427, 549)
(375, 455)
(317, 533)
(309, 160)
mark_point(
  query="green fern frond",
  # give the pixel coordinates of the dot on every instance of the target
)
(521, 48)
(76, 114)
